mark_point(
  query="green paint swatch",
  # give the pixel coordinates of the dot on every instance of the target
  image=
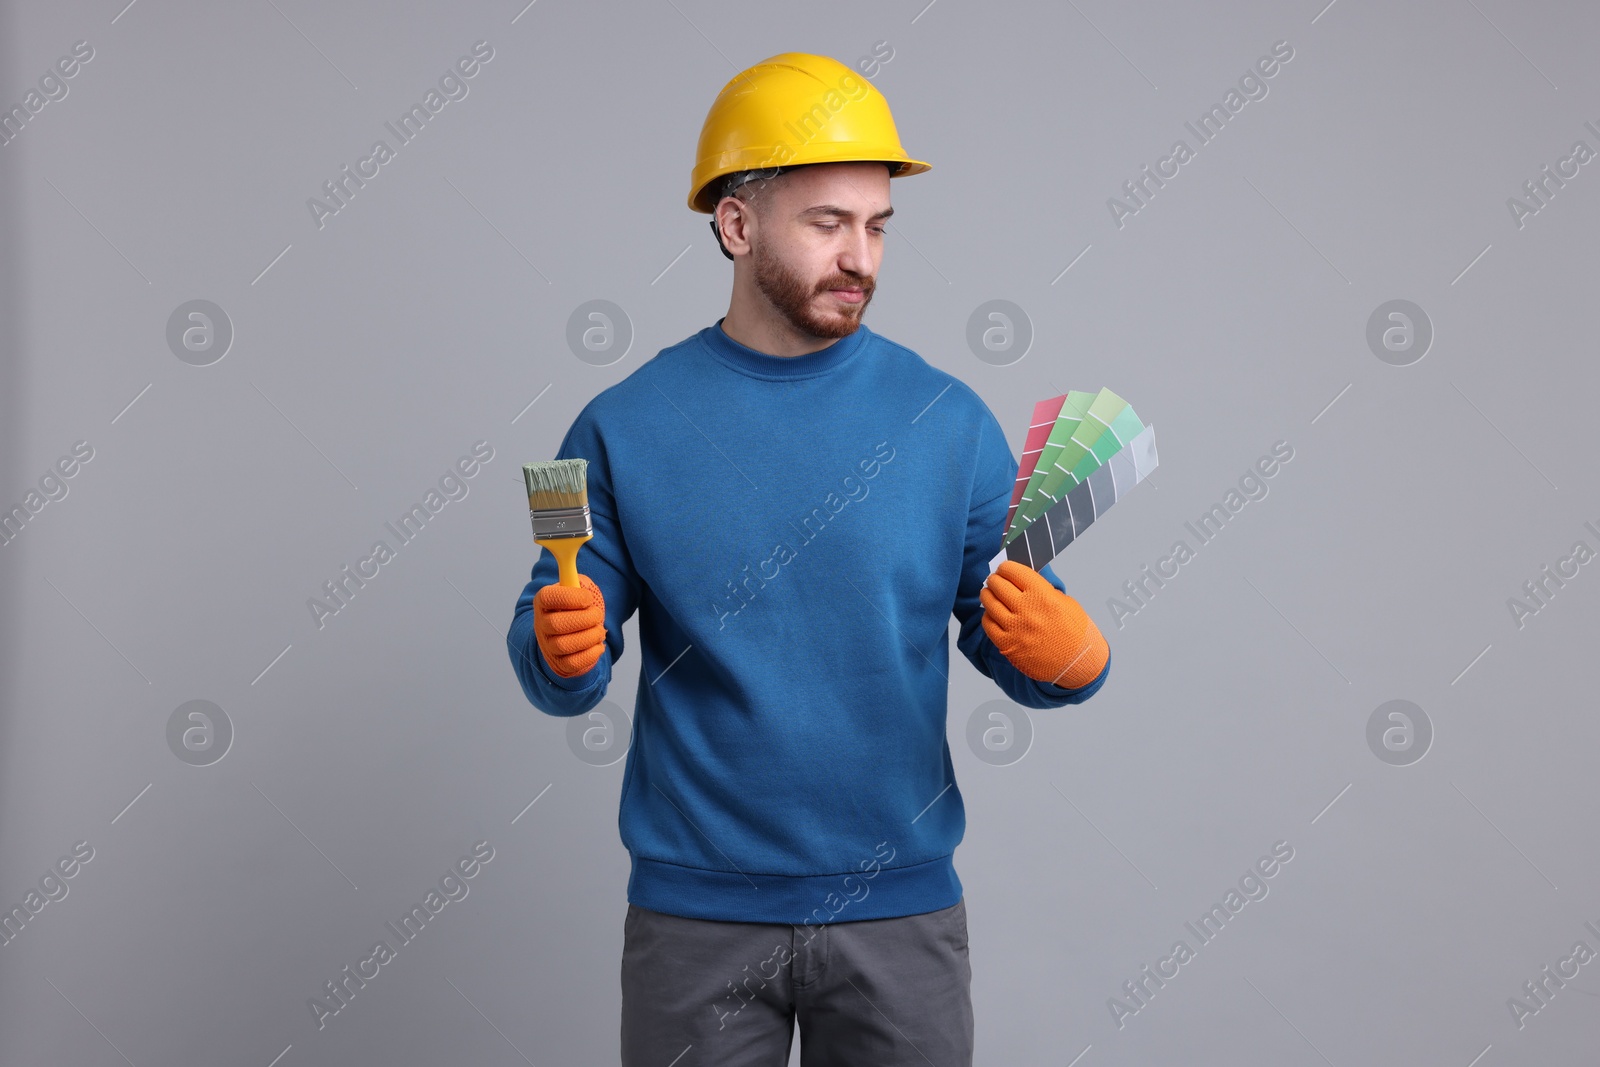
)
(1032, 505)
(1094, 435)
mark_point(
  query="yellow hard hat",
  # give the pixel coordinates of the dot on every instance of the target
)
(792, 109)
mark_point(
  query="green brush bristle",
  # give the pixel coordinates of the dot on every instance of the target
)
(557, 483)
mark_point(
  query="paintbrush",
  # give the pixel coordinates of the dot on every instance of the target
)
(558, 504)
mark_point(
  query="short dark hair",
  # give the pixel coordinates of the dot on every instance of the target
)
(731, 182)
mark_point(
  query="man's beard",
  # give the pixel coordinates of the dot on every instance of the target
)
(792, 296)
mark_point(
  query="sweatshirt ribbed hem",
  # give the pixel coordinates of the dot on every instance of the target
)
(798, 899)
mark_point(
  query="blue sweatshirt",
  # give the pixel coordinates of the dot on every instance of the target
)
(795, 533)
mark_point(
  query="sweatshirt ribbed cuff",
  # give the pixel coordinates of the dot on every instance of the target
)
(577, 682)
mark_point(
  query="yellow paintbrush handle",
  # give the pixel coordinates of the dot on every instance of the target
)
(565, 550)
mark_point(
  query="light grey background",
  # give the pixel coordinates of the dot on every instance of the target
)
(368, 355)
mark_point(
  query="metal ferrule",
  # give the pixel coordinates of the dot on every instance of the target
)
(561, 522)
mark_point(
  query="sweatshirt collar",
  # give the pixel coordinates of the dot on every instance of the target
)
(757, 364)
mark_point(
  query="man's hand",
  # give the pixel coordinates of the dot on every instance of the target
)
(1042, 631)
(569, 625)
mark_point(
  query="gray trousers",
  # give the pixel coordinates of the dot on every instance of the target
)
(869, 993)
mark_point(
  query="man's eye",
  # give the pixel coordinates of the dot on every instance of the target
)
(829, 227)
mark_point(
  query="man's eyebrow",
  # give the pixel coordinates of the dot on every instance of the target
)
(840, 212)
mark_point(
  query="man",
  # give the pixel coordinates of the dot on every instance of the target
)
(795, 506)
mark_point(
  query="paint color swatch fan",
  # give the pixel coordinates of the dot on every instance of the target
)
(1083, 453)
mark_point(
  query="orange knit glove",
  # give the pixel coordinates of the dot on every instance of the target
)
(569, 625)
(1043, 632)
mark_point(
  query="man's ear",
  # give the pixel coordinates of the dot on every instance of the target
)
(735, 213)
(718, 234)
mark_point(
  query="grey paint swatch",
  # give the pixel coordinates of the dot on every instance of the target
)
(1066, 520)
